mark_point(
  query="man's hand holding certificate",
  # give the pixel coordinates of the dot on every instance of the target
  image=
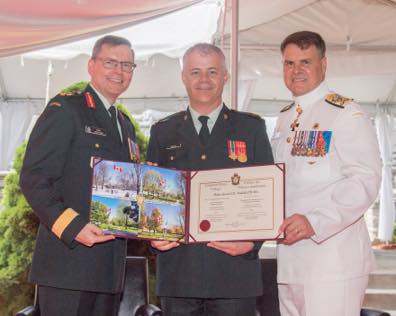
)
(149, 202)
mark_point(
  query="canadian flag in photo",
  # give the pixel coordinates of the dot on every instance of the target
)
(117, 168)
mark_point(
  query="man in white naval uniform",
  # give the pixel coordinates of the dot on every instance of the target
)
(333, 172)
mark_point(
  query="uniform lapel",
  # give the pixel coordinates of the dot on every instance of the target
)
(186, 130)
(102, 116)
(127, 136)
(124, 130)
(222, 128)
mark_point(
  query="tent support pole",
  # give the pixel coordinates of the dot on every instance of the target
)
(49, 74)
(3, 92)
(234, 54)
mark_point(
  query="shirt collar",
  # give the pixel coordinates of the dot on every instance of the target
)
(106, 103)
(311, 97)
(212, 117)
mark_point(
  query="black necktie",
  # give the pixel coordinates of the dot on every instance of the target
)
(113, 115)
(204, 132)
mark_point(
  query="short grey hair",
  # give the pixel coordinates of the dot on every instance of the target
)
(205, 49)
(111, 40)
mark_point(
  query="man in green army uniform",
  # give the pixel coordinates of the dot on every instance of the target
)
(218, 278)
(78, 269)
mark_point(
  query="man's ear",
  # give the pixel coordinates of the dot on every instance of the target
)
(226, 75)
(183, 77)
(91, 63)
(324, 64)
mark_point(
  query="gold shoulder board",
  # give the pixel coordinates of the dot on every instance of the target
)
(287, 107)
(337, 100)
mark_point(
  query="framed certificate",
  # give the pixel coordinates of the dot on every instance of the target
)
(148, 202)
(236, 204)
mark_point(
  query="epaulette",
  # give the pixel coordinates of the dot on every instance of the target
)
(62, 96)
(337, 100)
(70, 94)
(174, 115)
(55, 103)
(287, 107)
(250, 114)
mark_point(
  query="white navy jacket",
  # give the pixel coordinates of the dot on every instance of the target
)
(333, 174)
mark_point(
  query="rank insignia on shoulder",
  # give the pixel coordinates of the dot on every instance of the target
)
(69, 93)
(337, 100)
(65, 94)
(54, 103)
(237, 150)
(89, 100)
(287, 107)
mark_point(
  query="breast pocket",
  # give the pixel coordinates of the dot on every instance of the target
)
(174, 157)
(93, 145)
(314, 169)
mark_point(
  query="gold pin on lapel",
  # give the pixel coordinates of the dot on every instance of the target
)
(203, 157)
(97, 145)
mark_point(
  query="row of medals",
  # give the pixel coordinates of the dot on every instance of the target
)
(306, 143)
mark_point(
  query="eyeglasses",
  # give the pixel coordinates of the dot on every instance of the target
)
(109, 63)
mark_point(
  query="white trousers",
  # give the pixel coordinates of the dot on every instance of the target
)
(340, 298)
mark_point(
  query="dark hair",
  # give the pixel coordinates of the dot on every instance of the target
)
(305, 39)
(111, 40)
(205, 49)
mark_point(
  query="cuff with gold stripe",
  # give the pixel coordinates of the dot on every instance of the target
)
(63, 221)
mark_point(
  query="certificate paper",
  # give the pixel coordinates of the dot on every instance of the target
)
(237, 204)
(148, 202)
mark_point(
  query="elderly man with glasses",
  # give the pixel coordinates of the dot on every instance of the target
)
(79, 270)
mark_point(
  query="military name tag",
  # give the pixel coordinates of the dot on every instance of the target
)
(95, 130)
(173, 147)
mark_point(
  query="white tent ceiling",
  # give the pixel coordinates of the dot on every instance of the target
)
(29, 25)
(360, 37)
(359, 33)
(25, 76)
